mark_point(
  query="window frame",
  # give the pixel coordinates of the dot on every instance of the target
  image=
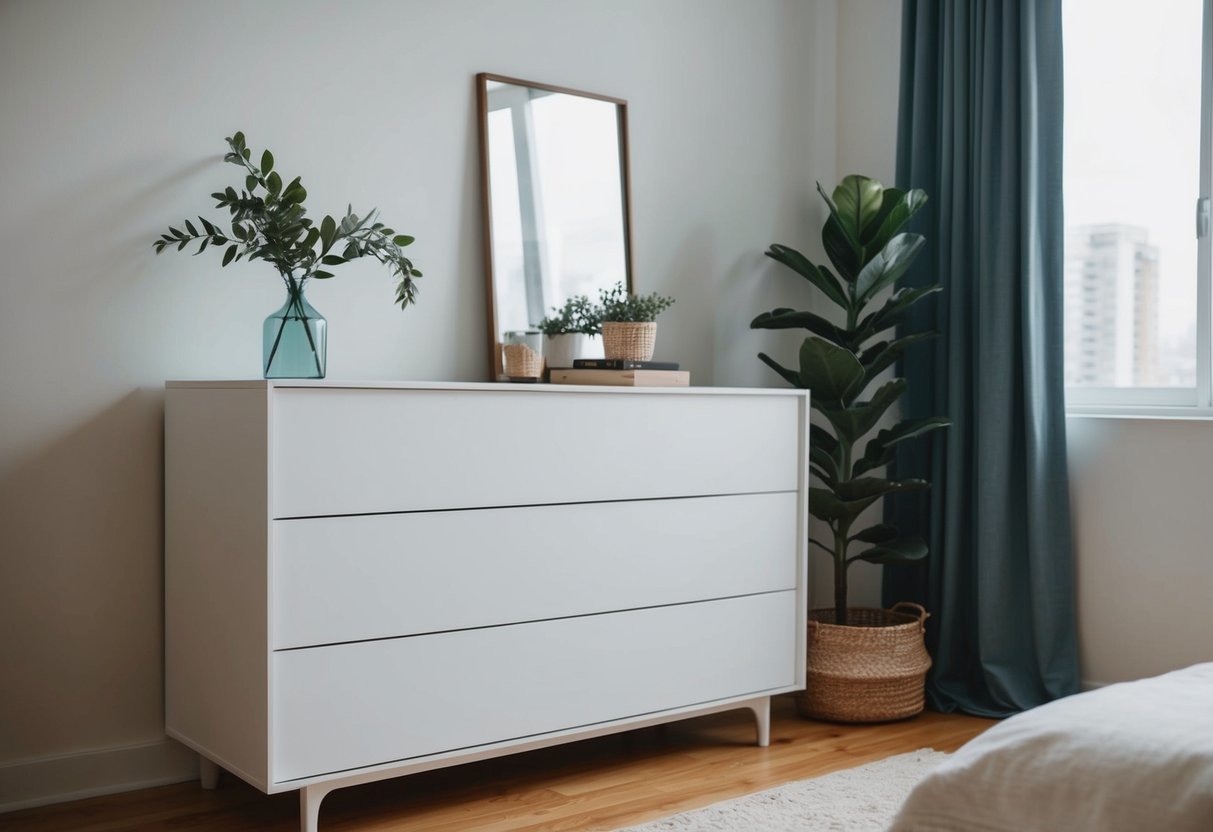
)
(1194, 402)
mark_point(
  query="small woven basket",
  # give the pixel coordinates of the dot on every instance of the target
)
(522, 362)
(873, 669)
(631, 340)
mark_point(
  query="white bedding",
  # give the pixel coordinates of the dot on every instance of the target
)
(1133, 756)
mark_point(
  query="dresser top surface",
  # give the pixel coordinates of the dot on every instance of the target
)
(286, 384)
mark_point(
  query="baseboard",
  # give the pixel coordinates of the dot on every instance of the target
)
(45, 780)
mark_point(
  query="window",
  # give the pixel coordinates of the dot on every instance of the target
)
(1138, 130)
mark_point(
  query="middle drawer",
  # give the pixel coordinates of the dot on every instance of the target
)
(340, 579)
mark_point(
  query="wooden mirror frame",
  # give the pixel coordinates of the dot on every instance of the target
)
(482, 102)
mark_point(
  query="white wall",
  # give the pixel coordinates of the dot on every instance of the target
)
(1140, 495)
(112, 117)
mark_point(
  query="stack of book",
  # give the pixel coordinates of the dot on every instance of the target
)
(620, 372)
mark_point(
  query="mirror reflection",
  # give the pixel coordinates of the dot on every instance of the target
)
(556, 191)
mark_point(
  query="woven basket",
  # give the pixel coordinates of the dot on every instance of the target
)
(522, 362)
(631, 340)
(873, 669)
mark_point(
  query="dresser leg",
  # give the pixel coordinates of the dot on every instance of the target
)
(309, 806)
(762, 716)
(209, 771)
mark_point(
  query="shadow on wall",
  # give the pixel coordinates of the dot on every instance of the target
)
(81, 585)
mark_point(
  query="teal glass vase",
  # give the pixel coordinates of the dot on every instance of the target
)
(294, 338)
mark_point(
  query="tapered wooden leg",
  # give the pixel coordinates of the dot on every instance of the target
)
(762, 716)
(209, 771)
(309, 806)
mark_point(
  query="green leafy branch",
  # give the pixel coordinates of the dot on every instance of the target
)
(267, 221)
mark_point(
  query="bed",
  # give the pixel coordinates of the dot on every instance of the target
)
(1131, 756)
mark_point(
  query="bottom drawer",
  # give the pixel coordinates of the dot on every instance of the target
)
(353, 705)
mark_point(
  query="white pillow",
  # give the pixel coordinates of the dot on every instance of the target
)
(1136, 756)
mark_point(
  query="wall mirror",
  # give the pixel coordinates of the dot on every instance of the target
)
(554, 168)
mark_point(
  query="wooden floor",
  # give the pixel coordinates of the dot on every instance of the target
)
(598, 784)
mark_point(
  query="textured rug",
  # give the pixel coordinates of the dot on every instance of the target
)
(852, 800)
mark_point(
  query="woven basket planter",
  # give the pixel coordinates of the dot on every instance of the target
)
(631, 340)
(871, 670)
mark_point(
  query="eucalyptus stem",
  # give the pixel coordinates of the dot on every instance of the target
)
(294, 302)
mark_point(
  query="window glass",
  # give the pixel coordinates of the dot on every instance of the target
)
(1132, 178)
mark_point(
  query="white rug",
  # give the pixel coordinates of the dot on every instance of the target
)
(853, 800)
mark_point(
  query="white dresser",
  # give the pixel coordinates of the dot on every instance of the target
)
(364, 580)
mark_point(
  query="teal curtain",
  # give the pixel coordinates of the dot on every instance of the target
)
(981, 131)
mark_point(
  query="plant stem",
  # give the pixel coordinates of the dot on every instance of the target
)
(269, 362)
(297, 299)
(840, 572)
(294, 302)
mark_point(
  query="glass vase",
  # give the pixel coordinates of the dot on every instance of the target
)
(294, 339)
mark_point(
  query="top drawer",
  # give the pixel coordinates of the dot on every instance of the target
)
(356, 451)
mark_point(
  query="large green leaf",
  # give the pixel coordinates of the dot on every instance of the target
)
(800, 264)
(879, 451)
(790, 376)
(879, 533)
(887, 266)
(792, 319)
(824, 460)
(894, 309)
(911, 429)
(852, 423)
(823, 475)
(858, 199)
(852, 240)
(839, 249)
(901, 550)
(833, 373)
(868, 463)
(880, 356)
(825, 505)
(819, 437)
(898, 213)
(888, 200)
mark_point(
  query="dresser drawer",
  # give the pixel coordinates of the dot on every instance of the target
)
(340, 579)
(352, 705)
(338, 451)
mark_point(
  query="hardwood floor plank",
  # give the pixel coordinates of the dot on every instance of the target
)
(599, 784)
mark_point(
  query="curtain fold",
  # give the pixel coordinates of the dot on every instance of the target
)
(980, 129)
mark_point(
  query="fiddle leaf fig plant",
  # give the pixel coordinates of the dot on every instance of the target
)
(840, 363)
(268, 222)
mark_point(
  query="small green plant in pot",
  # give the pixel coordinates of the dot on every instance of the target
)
(629, 322)
(268, 222)
(840, 364)
(571, 332)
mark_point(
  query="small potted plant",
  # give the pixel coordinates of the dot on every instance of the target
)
(629, 322)
(865, 665)
(571, 332)
(268, 222)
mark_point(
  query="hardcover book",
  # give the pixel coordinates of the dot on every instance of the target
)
(623, 378)
(622, 364)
